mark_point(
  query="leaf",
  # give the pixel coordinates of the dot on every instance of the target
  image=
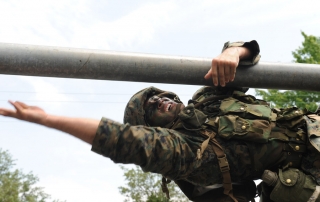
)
(146, 187)
(17, 186)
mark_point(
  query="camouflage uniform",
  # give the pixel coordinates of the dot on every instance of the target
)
(253, 137)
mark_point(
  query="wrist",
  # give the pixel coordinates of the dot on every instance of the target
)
(244, 53)
(248, 51)
(46, 121)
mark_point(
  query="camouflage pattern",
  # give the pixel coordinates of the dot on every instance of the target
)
(311, 162)
(157, 150)
(248, 121)
(173, 153)
(134, 112)
(313, 124)
(245, 121)
(252, 45)
(253, 136)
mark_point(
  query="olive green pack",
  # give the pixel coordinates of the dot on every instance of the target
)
(294, 185)
(241, 116)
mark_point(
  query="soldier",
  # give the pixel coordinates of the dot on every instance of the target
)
(214, 147)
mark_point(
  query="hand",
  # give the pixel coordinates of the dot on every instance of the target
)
(224, 66)
(25, 112)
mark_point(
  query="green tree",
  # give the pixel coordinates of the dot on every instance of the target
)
(16, 186)
(309, 52)
(146, 187)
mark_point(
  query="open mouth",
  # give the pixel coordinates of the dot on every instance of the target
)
(166, 105)
(168, 108)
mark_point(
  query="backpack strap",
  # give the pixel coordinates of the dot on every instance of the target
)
(223, 164)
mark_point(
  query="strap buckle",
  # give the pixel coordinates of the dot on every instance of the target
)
(223, 164)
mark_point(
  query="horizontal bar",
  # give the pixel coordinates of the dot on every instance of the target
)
(44, 61)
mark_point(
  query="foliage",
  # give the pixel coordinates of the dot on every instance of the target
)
(310, 50)
(146, 187)
(308, 53)
(282, 99)
(16, 186)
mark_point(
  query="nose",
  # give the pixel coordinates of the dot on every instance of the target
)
(162, 101)
(158, 101)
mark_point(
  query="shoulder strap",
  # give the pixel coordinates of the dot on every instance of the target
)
(223, 164)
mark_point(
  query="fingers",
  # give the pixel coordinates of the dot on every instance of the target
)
(7, 112)
(23, 105)
(233, 73)
(230, 71)
(222, 71)
(219, 72)
(223, 67)
(19, 106)
(227, 73)
(214, 72)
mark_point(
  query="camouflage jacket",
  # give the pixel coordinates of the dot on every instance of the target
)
(253, 136)
(271, 139)
(173, 153)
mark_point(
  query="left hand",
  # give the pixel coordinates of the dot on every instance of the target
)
(25, 112)
(223, 67)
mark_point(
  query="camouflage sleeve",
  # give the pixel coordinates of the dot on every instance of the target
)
(157, 150)
(253, 46)
(207, 91)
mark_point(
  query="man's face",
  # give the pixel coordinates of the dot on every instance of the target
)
(161, 111)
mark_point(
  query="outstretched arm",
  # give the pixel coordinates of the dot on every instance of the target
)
(82, 128)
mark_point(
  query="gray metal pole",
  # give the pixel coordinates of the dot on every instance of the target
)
(30, 60)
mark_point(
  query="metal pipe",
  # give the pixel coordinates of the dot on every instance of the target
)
(31, 60)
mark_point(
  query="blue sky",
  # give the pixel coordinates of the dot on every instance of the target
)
(66, 167)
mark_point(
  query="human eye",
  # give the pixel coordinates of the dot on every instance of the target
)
(153, 98)
(166, 99)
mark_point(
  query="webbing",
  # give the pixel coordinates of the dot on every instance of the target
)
(223, 164)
